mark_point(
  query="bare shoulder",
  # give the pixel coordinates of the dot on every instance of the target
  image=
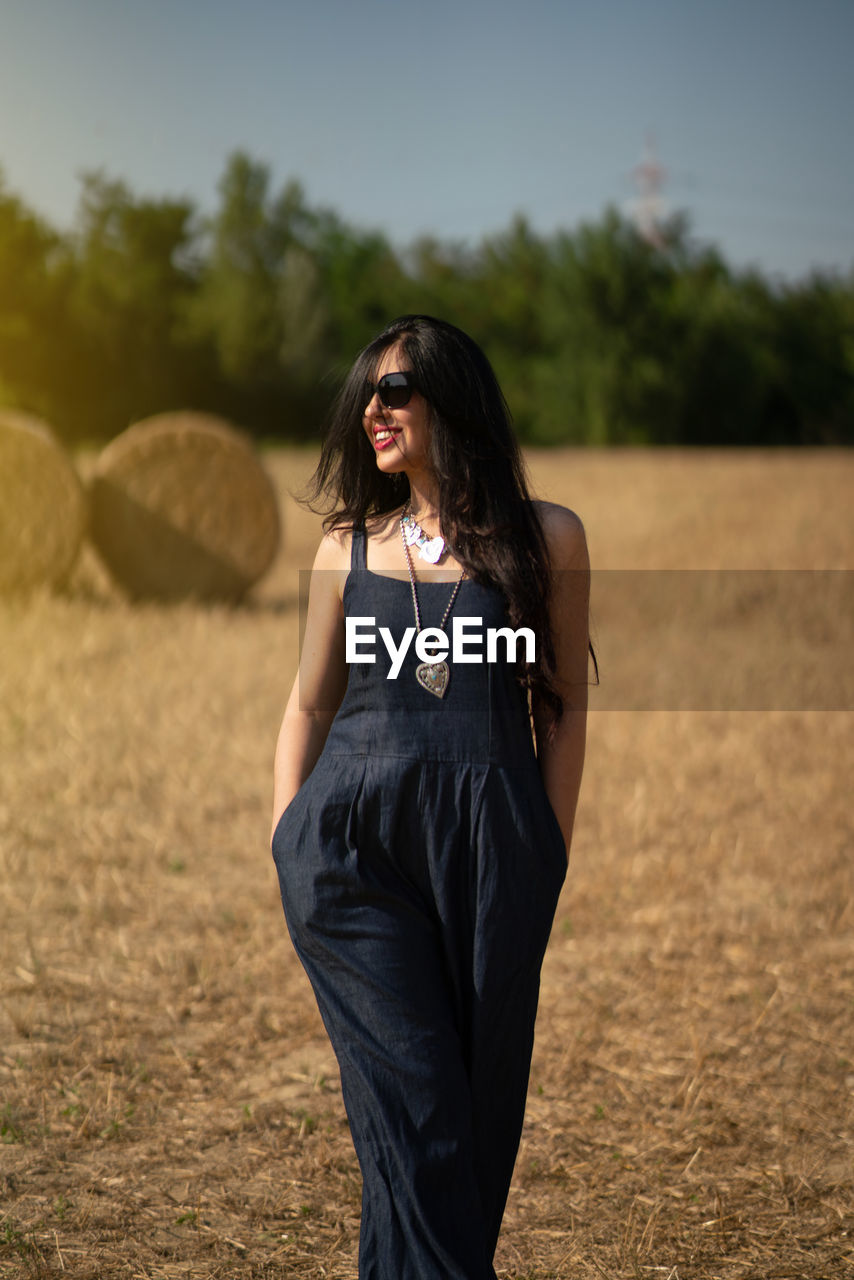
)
(334, 550)
(564, 534)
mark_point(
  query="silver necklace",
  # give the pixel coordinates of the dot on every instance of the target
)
(429, 549)
(432, 676)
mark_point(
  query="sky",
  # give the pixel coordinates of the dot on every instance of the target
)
(449, 117)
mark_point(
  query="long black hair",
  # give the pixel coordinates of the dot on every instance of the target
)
(485, 508)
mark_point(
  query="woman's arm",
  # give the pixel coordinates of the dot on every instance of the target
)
(321, 678)
(561, 751)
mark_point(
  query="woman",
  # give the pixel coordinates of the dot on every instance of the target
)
(420, 840)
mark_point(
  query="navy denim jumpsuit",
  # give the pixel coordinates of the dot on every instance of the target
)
(420, 866)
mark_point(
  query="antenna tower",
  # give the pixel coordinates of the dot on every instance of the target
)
(649, 208)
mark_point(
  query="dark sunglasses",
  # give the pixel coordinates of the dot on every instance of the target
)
(394, 389)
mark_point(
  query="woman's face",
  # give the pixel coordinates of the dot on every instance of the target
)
(400, 438)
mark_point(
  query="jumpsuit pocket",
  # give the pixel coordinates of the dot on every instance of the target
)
(557, 843)
(285, 817)
(559, 837)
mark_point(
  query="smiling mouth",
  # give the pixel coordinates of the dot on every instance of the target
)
(384, 437)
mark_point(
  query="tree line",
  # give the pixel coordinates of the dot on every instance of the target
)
(257, 311)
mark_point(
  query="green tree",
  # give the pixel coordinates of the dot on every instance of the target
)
(597, 337)
(812, 399)
(604, 378)
(133, 271)
(236, 305)
(30, 312)
(261, 303)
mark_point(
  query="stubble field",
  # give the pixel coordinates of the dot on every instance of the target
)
(169, 1106)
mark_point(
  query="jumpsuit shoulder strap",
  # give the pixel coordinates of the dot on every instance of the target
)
(358, 553)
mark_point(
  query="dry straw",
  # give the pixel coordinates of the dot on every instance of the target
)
(169, 1104)
(42, 505)
(181, 507)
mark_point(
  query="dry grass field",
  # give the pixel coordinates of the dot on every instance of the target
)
(169, 1107)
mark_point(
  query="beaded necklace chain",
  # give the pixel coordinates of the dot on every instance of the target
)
(432, 676)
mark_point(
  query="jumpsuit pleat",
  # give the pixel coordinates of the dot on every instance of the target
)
(420, 866)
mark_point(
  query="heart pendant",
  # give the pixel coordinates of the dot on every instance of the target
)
(434, 677)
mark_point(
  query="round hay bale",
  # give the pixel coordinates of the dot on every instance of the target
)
(182, 508)
(42, 505)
